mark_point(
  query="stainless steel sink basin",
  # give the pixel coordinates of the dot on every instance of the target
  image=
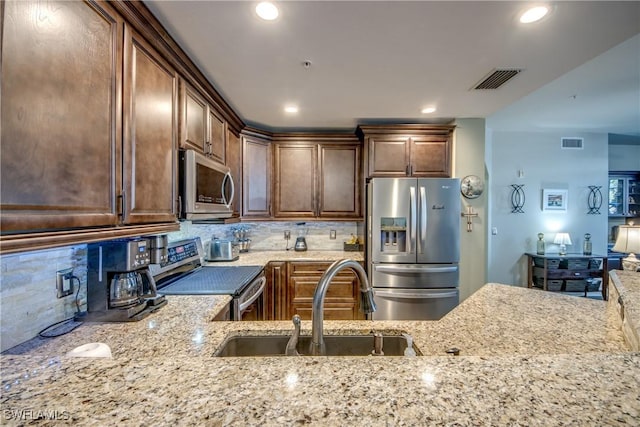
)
(336, 345)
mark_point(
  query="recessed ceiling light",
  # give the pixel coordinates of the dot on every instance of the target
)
(267, 11)
(291, 109)
(534, 14)
(428, 110)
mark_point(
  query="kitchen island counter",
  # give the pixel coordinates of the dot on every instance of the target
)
(527, 357)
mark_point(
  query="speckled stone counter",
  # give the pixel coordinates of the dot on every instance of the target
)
(528, 357)
(625, 301)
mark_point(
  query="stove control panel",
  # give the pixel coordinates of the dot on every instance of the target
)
(182, 251)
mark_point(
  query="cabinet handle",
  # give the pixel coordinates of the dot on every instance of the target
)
(406, 170)
(122, 200)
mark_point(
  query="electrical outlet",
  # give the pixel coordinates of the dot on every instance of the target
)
(332, 234)
(63, 282)
(287, 234)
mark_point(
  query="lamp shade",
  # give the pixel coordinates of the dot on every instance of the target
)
(628, 240)
(562, 239)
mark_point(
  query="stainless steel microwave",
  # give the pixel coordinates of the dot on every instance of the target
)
(206, 187)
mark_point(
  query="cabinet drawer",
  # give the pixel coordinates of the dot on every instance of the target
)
(305, 287)
(311, 268)
(561, 273)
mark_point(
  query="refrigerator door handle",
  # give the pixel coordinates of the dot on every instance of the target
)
(400, 269)
(422, 242)
(413, 219)
(415, 295)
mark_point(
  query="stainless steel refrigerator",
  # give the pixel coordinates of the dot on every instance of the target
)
(413, 246)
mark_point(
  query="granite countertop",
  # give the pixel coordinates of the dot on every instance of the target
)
(528, 357)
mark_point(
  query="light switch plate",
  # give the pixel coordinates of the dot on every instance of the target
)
(332, 234)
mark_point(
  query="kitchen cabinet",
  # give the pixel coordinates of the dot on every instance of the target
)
(61, 116)
(341, 302)
(407, 150)
(256, 176)
(275, 293)
(202, 128)
(317, 176)
(570, 273)
(624, 195)
(150, 134)
(295, 180)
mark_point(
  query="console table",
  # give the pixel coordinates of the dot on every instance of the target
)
(570, 272)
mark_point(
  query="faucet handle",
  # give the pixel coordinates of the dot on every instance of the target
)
(293, 341)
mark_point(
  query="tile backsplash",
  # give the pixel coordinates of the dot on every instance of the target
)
(269, 236)
(28, 295)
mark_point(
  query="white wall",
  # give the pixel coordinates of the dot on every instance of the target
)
(469, 154)
(544, 165)
(624, 152)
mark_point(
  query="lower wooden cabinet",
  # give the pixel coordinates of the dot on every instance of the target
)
(291, 285)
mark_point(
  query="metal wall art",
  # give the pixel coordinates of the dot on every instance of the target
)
(517, 198)
(594, 200)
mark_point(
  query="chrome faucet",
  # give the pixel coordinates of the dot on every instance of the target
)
(367, 305)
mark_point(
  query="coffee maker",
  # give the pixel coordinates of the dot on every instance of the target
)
(120, 287)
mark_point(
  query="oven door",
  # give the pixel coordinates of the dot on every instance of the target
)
(249, 305)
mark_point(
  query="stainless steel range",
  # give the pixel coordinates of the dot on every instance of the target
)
(184, 274)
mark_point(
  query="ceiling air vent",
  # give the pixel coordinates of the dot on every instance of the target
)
(497, 78)
(572, 143)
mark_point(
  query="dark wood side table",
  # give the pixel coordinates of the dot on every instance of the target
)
(562, 268)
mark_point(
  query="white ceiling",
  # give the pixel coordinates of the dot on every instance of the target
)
(386, 60)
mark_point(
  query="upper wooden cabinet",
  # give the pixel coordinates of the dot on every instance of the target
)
(407, 150)
(89, 127)
(61, 115)
(317, 176)
(202, 128)
(150, 132)
(256, 176)
(295, 180)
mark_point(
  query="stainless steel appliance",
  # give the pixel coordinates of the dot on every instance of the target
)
(301, 241)
(222, 250)
(184, 274)
(206, 187)
(413, 249)
(120, 286)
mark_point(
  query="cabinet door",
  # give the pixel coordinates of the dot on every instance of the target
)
(617, 189)
(60, 142)
(341, 300)
(295, 184)
(256, 177)
(339, 170)
(217, 137)
(389, 156)
(275, 295)
(430, 156)
(150, 123)
(193, 123)
(633, 191)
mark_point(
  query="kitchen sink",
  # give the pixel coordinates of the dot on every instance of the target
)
(336, 345)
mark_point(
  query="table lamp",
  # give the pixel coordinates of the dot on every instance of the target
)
(628, 241)
(562, 239)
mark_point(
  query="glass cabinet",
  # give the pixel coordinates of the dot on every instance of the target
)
(624, 195)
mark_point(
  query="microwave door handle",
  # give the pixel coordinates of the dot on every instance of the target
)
(227, 201)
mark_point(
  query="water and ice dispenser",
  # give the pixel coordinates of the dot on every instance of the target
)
(393, 234)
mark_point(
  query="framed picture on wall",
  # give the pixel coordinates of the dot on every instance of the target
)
(554, 200)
